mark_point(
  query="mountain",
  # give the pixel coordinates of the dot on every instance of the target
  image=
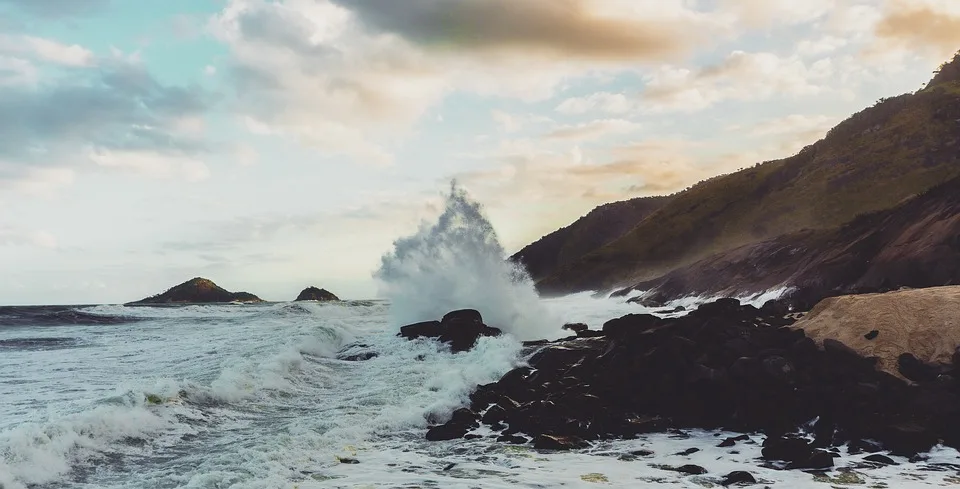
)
(598, 228)
(315, 294)
(196, 291)
(873, 161)
(915, 244)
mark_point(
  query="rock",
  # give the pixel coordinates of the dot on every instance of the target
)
(631, 324)
(460, 329)
(347, 460)
(724, 366)
(576, 327)
(359, 357)
(880, 459)
(672, 311)
(198, 291)
(691, 469)
(689, 451)
(872, 334)
(731, 441)
(915, 370)
(462, 421)
(553, 442)
(315, 294)
(738, 477)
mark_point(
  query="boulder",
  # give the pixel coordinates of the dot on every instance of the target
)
(315, 294)
(460, 329)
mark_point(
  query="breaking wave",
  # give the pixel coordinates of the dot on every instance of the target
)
(458, 262)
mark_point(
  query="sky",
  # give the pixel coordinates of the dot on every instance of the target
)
(272, 145)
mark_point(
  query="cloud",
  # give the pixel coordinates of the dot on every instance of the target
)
(16, 236)
(57, 8)
(767, 13)
(150, 163)
(910, 25)
(612, 103)
(741, 76)
(16, 71)
(118, 108)
(567, 28)
(46, 50)
(593, 130)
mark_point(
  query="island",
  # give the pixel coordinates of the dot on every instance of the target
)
(197, 290)
(315, 294)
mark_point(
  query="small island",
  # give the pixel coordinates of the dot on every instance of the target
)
(198, 290)
(315, 294)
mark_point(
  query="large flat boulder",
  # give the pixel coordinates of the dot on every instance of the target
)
(924, 323)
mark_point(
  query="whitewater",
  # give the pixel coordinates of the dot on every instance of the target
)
(274, 395)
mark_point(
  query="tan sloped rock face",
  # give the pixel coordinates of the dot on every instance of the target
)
(923, 322)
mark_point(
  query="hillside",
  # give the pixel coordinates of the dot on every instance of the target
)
(870, 162)
(198, 290)
(915, 244)
(598, 228)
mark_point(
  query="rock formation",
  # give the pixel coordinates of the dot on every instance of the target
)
(722, 366)
(460, 329)
(315, 294)
(197, 291)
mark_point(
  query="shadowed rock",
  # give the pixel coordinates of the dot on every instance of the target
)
(315, 294)
(460, 329)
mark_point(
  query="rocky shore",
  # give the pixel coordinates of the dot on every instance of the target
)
(723, 366)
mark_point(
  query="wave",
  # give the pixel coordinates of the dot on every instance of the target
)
(57, 316)
(458, 262)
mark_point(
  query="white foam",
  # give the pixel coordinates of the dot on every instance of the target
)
(457, 262)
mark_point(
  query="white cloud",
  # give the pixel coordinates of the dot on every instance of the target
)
(740, 76)
(210, 70)
(151, 164)
(16, 72)
(593, 130)
(612, 103)
(47, 50)
(16, 236)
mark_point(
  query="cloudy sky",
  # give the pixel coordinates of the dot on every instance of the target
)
(271, 145)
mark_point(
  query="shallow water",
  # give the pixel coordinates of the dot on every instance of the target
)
(252, 396)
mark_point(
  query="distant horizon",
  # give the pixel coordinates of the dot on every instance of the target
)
(270, 144)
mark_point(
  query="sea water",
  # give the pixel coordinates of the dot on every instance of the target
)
(255, 396)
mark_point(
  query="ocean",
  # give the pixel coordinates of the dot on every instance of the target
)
(254, 396)
(246, 396)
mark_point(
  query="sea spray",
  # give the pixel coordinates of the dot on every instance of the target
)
(458, 262)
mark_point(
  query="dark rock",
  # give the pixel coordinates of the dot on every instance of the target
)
(359, 357)
(576, 327)
(514, 439)
(631, 324)
(554, 442)
(914, 369)
(315, 294)
(672, 311)
(460, 329)
(860, 446)
(738, 477)
(462, 421)
(872, 334)
(691, 469)
(462, 316)
(880, 459)
(689, 451)
(648, 302)
(731, 441)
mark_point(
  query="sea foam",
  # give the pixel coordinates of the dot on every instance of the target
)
(458, 262)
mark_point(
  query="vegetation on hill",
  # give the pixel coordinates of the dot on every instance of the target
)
(196, 291)
(872, 161)
(599, 227)
(315, 294)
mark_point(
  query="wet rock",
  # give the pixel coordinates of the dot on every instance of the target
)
(514, 439)
(576, 327)
(462, 421)
(691, 469)
(554, 442)
(460, 329)
(689, 451)
(732, 440)
(738, 477)
(358, 357)
(880, 459)
(872, 334)
(914, 369)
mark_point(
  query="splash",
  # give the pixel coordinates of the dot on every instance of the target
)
(457, 262)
